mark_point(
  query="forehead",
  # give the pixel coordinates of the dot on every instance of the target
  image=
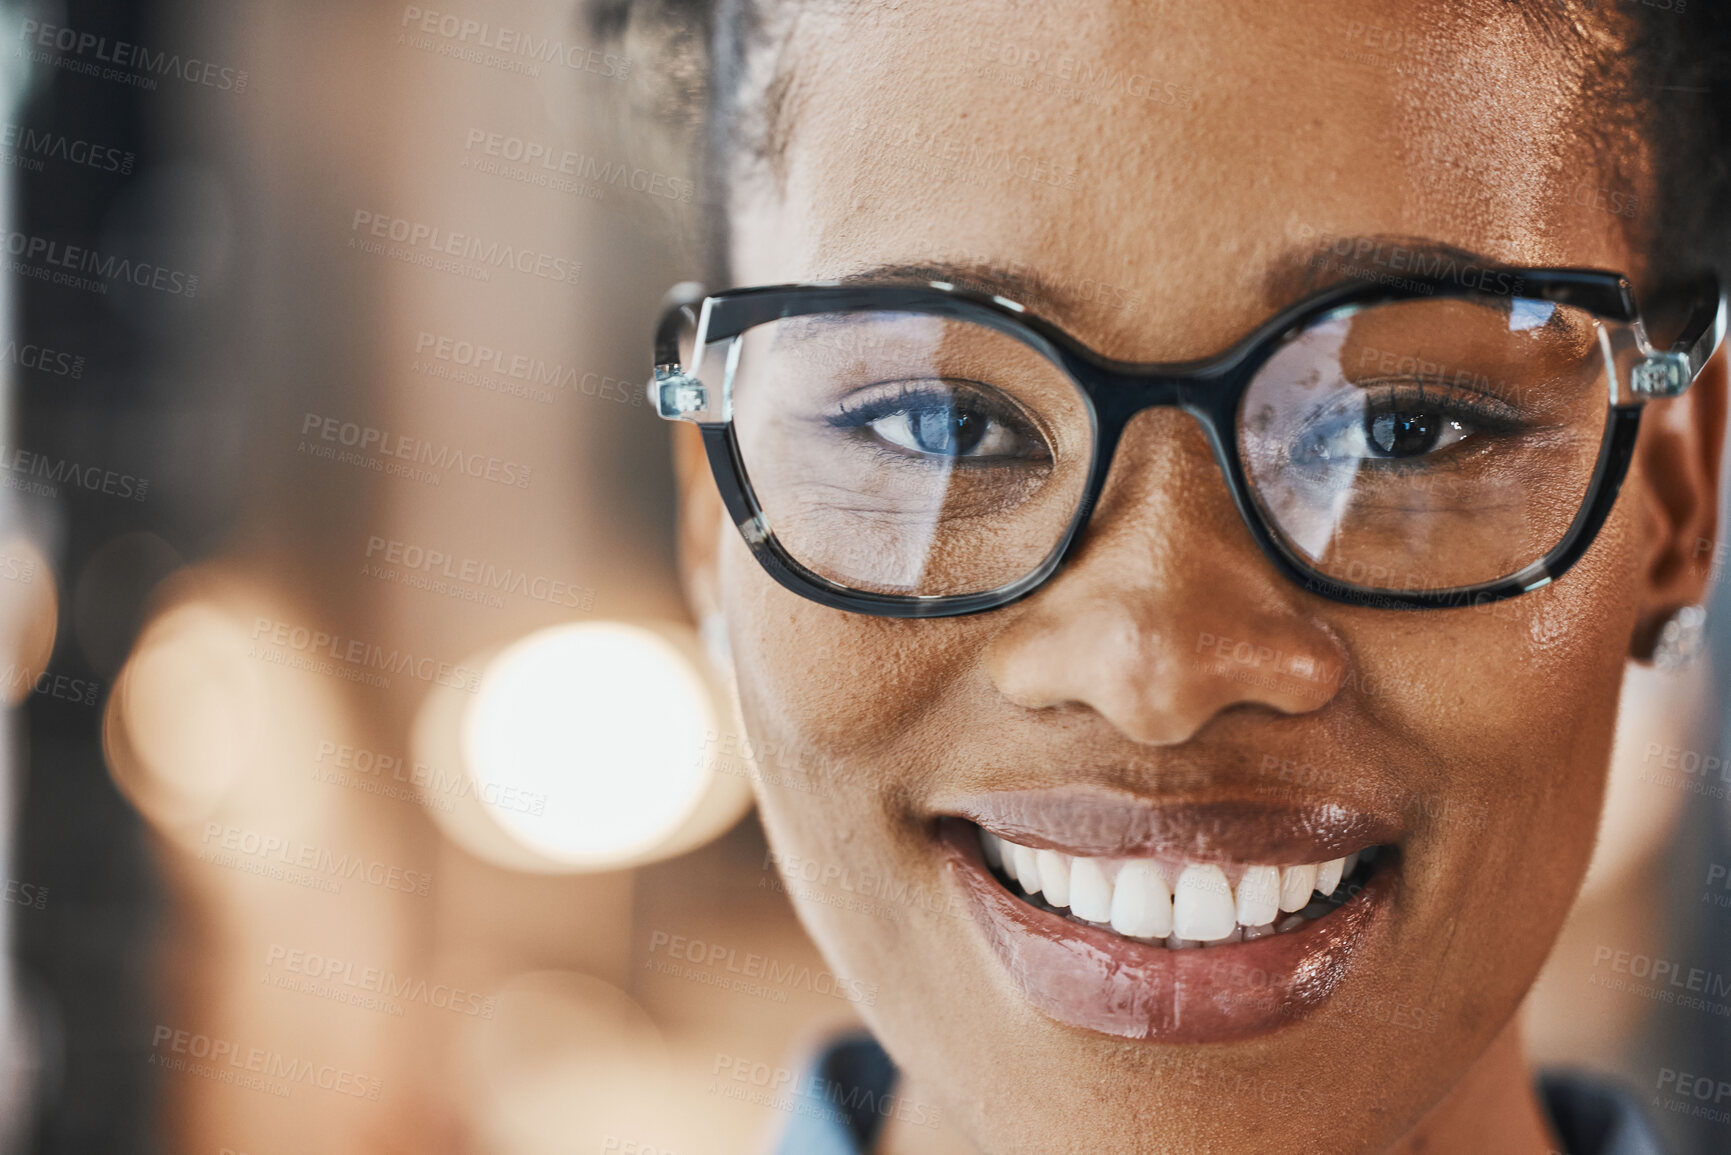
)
(1154, 173)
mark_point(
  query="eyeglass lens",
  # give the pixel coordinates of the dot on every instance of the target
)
(1428, 444)
(1412, 445)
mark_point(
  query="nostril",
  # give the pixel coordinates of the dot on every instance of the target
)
(1156, 671)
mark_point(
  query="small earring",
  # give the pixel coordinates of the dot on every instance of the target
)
(1681, 638)
(713, 631)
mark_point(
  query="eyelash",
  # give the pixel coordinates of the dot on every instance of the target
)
(913, 396)
(1408, 395)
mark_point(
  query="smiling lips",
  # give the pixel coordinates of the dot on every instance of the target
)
(1087, 900)
(1178, 904)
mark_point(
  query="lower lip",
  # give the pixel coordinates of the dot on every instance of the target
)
(1100, 981)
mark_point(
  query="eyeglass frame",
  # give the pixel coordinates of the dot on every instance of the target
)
(1210, 389)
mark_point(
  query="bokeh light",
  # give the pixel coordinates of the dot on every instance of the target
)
(586, 747)
(29, 613)
(186, 715)
(600, 727)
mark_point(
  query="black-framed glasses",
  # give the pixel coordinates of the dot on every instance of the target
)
(925, 450)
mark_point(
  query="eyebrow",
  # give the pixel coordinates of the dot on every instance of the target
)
(1298, 271)
(1017, 281)
(1316, 264)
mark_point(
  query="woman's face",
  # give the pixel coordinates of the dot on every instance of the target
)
(1173, 168)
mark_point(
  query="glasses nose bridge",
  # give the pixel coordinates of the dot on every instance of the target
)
(1118, 396)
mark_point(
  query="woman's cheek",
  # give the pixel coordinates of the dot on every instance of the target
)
(1514, 702)
(838, 683)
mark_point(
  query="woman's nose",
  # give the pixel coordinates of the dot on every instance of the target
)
(1169, 614)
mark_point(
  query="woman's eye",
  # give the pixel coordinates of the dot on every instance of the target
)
(1402, 433)
(1388, 431)
(946, 431)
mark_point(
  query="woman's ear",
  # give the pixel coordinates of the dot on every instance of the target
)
(702, 521)
(1677, 458)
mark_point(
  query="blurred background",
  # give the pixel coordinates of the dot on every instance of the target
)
(367, 788)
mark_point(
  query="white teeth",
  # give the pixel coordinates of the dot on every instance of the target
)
(1202, 904)
(1258, 895)
(1141, 904)
(1054, 876)
(1296, 883)
(1027, 868)
(1202, 908)
(1090, 893)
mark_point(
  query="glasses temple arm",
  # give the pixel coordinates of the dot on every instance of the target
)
(678, 310)
(1704, 332)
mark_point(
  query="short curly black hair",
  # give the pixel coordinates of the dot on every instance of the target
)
(1658, 68)
(1683, 76)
